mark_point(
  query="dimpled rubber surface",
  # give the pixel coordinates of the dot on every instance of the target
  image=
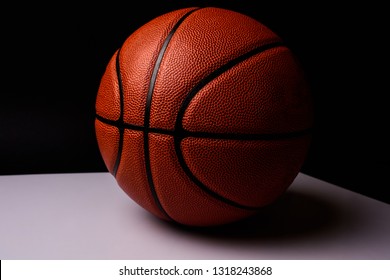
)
(203, 116)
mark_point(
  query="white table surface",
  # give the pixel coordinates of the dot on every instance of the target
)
(87, 216)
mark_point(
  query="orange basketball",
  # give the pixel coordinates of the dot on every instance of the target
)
(203, 116)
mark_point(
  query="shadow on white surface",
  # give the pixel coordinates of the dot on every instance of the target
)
(294, 216)
(87, 216)
(303, 225)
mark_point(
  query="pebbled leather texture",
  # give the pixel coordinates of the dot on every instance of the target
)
(203, 116)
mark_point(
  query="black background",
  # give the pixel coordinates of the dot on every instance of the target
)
(53, 57)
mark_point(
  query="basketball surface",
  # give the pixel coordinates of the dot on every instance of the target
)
(203, 116)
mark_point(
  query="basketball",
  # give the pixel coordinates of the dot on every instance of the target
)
(203, 116)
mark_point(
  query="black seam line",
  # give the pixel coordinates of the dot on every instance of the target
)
(208, 135)
(120, 120)
(180, 130)
(215, 74)
(135, 127)
(245, 136)
(148, 109)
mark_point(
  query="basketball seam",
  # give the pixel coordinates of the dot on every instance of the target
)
(121, 115)
(179, 125)
(148, 110)
(208, 135)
